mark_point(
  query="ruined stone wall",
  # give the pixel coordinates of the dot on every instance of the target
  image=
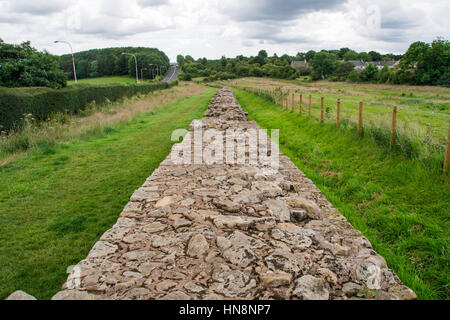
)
(231, 231)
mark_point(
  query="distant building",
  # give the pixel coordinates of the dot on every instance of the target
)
(391, 64)
(298, 64)
(361, 65)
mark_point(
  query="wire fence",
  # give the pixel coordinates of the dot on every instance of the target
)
(389, 125)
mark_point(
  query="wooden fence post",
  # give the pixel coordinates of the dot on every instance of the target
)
(310, 105)
(322, 118)
(447, 152)
(293, 101)
(301, 104)
(287, 100)
(338, 114)
(360, 121)
(394, 127)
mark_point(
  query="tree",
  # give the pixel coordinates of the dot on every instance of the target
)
(351, 55)
(110, 61)
(180, 60)
(263, 54)
(256, 72)
(310, 55)
(354, 76)
(369, 73)
(24, 66)
(342, 52)
(430, 62)
(343, 70)
(223, 61)
(189, 59)
(325, 63)
(375, 56)
(385, 75)
(303, 70)
(93, 69)
(364, 56)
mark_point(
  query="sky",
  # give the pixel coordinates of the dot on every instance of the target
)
(214, 28)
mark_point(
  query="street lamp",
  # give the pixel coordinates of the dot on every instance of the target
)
(135, 61)
(73, 58)
(142, 74)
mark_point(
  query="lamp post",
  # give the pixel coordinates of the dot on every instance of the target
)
(73, 58)
(135, 62)
(142, 74)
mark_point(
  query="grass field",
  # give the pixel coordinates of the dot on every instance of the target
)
(400, 204)
(57, 199)
(424, 112)
(116, 79)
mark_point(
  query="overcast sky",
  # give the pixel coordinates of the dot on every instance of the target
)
(214, 28)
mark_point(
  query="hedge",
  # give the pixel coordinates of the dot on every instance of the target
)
(41, 102)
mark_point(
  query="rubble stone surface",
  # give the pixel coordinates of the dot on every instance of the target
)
(219, 231)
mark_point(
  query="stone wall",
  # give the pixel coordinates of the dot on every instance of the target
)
(239, 231)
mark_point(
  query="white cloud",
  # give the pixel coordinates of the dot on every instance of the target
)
(214, 28)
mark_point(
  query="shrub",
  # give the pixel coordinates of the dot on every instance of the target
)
(24, 66)
(185, 77)
(354, 76)
(42, 103)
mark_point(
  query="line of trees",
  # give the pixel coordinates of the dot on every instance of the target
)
(423, 64)
(225, 68)
(110, 62)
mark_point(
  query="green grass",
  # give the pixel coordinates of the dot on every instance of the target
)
(401, 204)
(104, 80)
(56, 201)
(420, 108)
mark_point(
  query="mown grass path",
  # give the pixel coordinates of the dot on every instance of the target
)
(54, 207)
(401, 205)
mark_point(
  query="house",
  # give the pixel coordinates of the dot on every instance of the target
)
(299, 64)
(391, 64)
(361, 65)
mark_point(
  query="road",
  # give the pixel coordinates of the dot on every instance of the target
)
(172, 74)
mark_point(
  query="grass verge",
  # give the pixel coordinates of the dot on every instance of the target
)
(424, 112)
(401, 204)
(56, 201)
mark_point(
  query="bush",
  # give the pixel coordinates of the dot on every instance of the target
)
(369, 73)
(185, 77)
(42, 103)
(23, 66)
(315, 76)
(354, 76)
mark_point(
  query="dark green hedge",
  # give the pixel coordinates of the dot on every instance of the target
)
(42, 102)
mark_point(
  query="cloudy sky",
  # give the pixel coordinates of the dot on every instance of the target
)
(212, 28)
